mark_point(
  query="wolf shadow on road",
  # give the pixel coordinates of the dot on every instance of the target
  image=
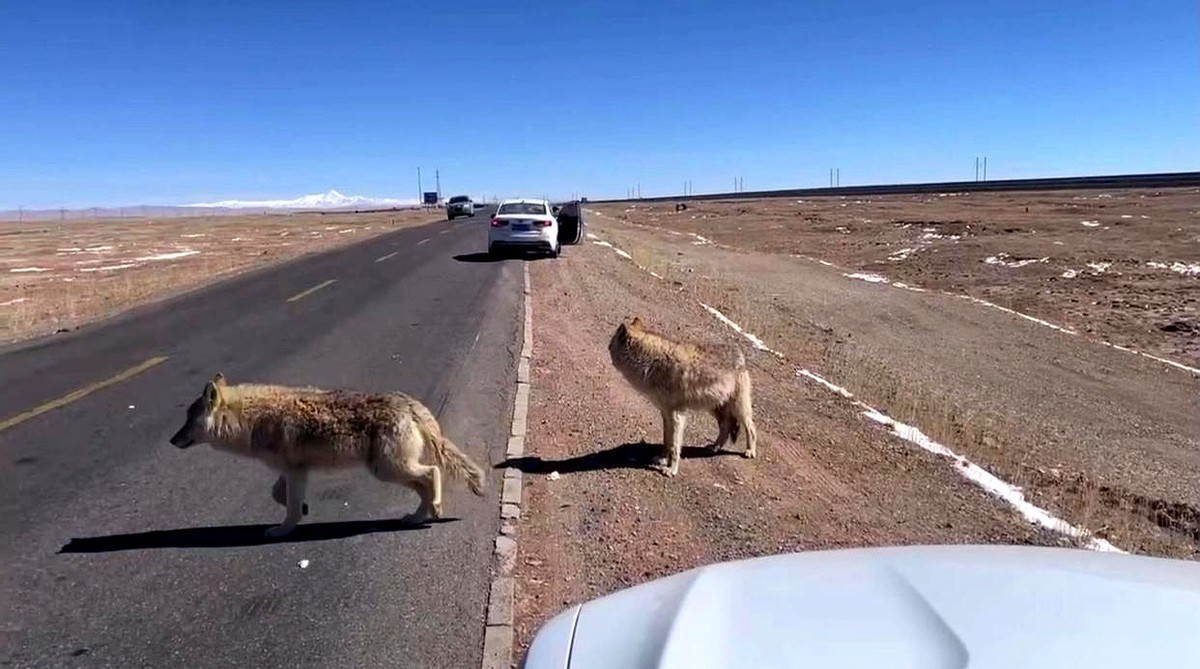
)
(233, 536)
(638, 455)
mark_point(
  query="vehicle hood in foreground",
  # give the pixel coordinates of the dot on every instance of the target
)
(917, 606)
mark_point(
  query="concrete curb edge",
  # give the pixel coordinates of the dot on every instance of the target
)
(498, 622)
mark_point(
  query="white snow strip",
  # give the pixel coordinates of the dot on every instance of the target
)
(194, 235)
(342, 232)
(1016, 313)
(871, 278)
(902, 254)
(1126, 215)
(1002, 259)
(14, 301)
(168, 256)
(971, 471)
(1070, 274)
(1099, 267)
(1090, 224)
(622, 253)
(236, 239)
(1186, 269)
(700, 239)
(23, 270)
(758, 343)
(905, 286)
(108, 268)
(1177, 365)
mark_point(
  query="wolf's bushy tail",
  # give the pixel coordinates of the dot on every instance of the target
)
(743, 413)
(456, 463)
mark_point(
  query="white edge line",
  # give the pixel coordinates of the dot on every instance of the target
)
(498, 632)
(969, 470)
(877, 278)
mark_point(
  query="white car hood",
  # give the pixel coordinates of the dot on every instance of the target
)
(919, 606)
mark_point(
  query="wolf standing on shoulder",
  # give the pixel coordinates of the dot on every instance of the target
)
(678, 377)
(295, 429)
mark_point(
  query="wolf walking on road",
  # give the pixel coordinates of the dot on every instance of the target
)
(679, 377)
(296, 429)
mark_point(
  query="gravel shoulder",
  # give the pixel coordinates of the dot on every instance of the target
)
(824, 478)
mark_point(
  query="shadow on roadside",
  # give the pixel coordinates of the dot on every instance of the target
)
(639, 455)
(232, 536)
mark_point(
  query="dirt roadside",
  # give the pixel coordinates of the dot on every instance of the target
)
(824, 477)
(56, 276)
(1122, 266)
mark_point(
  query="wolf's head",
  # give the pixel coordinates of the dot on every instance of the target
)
(624, 333)
(201, 415)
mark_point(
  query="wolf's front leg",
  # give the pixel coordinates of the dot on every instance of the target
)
(296, 483)
(279, 494)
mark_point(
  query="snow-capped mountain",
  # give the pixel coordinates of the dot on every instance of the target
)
(329, 200)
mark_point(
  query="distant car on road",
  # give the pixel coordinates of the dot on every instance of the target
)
(903, 606)
(460, 205)
(527, 224)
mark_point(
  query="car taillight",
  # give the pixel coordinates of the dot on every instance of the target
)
(544, 224)
(497, 223)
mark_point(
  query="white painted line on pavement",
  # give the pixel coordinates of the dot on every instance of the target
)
(422, 241)
(303, 294)
(390, 255)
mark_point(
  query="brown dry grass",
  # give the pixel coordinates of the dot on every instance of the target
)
(83, 278)
(1128, 302)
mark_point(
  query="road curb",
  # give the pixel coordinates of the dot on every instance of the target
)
(498, 624)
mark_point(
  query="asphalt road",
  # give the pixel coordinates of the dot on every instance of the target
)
(119, 550)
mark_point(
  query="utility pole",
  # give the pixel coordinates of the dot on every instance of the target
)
(977, 168)
(420, 190)
(20, 213)
(985, 168)
(839, 176)
(438, 177)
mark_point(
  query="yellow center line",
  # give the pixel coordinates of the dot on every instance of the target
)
(310, 291)
(81, 393)
(381, 259)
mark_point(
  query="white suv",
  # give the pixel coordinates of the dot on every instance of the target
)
(524, 224)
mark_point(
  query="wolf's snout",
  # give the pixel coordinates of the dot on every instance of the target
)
(181, 440)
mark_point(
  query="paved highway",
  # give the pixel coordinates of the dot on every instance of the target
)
(119, 550)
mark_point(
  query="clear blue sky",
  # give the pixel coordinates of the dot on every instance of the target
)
(109, 103)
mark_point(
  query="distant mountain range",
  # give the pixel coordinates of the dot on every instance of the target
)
(328, 201)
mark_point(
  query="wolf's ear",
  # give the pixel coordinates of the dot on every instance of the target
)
(636, 323)
(219, 379)
(211, 395)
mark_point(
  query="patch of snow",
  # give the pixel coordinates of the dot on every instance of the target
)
(1090, 224)
(108, 268)
(1002, 259)
(1186, 269)
(1126, 216)
(902, 254)
(1099, 267)
(168, 256)
(1070, 274)
(14, 301)
(24, 270)
(195, 235)
(870, 278)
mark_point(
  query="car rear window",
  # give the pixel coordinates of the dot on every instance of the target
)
(458, 198)
(526, 208)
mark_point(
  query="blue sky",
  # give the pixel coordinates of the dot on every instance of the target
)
(111, 103)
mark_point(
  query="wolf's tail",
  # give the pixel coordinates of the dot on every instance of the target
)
(456, 463)
(743, 401)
